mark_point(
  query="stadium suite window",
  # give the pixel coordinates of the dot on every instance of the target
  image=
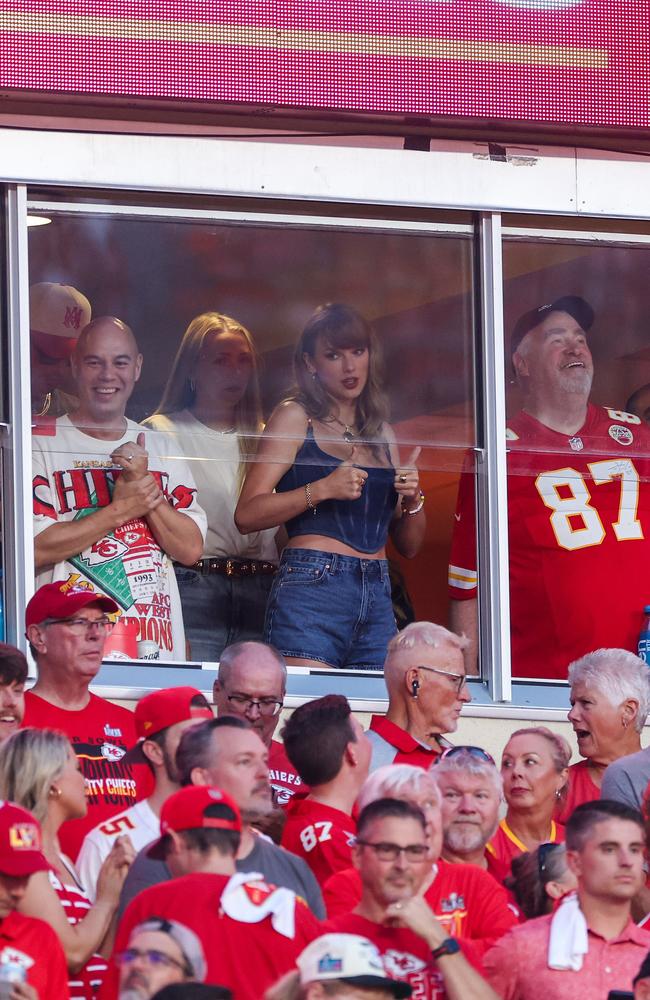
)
(414, 282)
(578, 406)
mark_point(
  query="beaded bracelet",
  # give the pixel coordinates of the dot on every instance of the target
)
(414, 510)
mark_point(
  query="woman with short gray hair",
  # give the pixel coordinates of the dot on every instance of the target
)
(610, 699)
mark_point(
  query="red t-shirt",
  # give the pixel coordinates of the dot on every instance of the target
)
(323, 836)
(393, 745)
(246, 957)
(406, 956)
(34, 945)
(579, 519)
(285, 780)
(100, 735)
(505, 845)
(582, 788)
(466, 900)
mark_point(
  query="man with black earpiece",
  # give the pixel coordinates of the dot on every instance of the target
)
(425, 677)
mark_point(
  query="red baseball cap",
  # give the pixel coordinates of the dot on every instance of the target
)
(63, 600)
(20, 842)
(193, 808)
(161, 709)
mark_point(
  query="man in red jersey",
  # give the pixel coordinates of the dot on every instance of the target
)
(331, 753)
(251, 931)
(25, 941)
(589, 945)
(425, 677)
(578, 506)
(251, 684)
(468, 902)
(67, 629)
(471, 791)
(393, 860)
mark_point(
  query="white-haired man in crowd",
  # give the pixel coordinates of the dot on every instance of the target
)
(425, 677)
(610, 698)
(471, 791)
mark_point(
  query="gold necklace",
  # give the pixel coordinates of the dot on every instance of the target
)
(348, 434)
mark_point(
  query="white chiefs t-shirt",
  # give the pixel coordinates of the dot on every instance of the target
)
(139, 822)
(73, 476)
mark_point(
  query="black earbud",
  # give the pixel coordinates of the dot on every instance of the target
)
(415, 686)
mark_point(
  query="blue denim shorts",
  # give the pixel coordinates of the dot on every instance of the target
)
(331, 608)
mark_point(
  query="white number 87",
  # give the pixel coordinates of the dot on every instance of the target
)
(590, 530)
(316, 834)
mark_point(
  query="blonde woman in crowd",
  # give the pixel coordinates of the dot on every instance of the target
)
(39, 771)
(534, 767)
(211, 407)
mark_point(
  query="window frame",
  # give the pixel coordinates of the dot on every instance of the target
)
(454, 175)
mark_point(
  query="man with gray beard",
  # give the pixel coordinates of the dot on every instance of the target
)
(578, 506)
(471, 791)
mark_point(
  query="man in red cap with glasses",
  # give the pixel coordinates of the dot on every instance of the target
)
(578, 506)
(161, 718)
(251, 932)
(29, 945)
(67, 627)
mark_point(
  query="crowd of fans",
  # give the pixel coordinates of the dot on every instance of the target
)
(337, 862)
(184, 850)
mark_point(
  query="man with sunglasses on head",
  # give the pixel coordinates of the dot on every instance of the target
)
(67, 627)
(425, 676)
(471, 792)
(251, 684)
(392, 856)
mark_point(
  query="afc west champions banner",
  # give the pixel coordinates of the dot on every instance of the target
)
(582, 62)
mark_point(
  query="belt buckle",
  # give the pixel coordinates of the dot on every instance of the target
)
(230, 567)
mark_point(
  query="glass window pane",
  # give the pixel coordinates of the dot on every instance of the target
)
(159, 275)
(579, 495)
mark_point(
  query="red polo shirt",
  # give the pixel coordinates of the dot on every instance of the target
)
(393, 745)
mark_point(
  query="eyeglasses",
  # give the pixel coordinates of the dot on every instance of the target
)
(83, 626)
(268, 707)
(477, 752)
(543, 852)
(460, 680)
(390, 852)
(152, 956)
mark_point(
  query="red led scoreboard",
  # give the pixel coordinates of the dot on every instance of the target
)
(568, 62)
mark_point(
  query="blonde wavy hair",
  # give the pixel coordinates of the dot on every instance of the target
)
(31, 760)
(179, 392)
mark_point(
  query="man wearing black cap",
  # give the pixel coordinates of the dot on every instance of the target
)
(578, 506)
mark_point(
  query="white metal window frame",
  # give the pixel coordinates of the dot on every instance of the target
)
(453, 175)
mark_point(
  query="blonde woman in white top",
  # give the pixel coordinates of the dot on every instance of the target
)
(211, 407)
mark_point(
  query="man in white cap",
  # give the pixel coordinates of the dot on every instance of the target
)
(349, 964)
(57, 315)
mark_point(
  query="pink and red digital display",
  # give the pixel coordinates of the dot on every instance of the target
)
(570, 62)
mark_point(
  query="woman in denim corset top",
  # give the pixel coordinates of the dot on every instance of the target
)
(328, 469)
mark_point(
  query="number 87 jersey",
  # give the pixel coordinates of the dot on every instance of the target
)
(579, 537)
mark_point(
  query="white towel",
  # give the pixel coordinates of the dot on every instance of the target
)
(568, 942)
(249, 899)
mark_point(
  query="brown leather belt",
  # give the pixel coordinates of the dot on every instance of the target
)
(234, 567)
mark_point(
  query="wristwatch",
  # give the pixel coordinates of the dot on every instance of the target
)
(449, 946)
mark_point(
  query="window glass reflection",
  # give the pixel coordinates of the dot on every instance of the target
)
(187, 392)
(578, 488)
